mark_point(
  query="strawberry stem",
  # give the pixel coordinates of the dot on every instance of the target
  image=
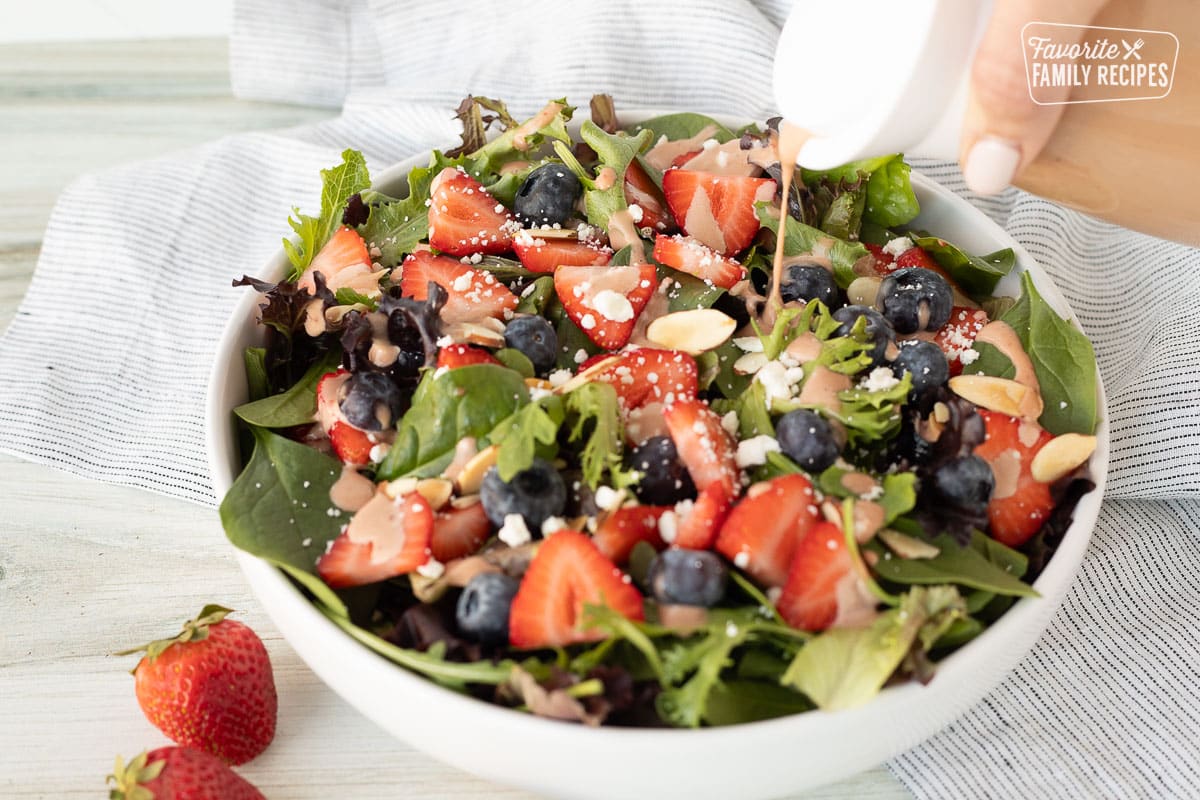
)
(194, 630)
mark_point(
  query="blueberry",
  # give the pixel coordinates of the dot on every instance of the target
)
(808, 439)
(547, 196)
(664, 480)
(915, 299)
(536, 493)
(687, 577)
(806, 282)
(964, 484)
(878, 328)
(534, 336)
(483, 606)
(926, 362)
(371, 401)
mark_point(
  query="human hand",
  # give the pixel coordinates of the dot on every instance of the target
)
(1004, 130)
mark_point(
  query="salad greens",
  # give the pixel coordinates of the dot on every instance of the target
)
(1062, 358)
(930, 581)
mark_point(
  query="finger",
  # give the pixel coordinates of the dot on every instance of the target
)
(1004, 130)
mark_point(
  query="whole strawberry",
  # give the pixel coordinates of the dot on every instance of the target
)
(178, 773)
(210, 687)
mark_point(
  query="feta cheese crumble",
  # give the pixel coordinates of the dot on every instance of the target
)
(514, 532)
(753, 451)
(898, 246)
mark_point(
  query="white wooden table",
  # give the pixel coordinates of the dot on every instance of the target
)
(86, 568)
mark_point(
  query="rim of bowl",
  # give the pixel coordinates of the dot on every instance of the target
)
(967, 663)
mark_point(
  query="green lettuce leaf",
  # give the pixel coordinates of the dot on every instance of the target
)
(519, 435)
(615, 151)
(338, 184)
(890, 200)
(803, 240)
(468, 401)
(505, 147)
(596, 421)
(846, 667)
(536, 297)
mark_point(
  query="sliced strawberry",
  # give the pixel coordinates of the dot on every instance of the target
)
(473, 293)
(459, 532)
(641, 191)
(464, 355)
(568, 572)
(916, 257)
(1019, 504)
(716, 209)
(698, 529)
(761, 533)
(810, 596)
(344, 263)
(688, 255)
(464, 219)
(957, 336)
(648, 375)
(547, 255)
(350, 444)
(385, 538)
(705, 447)
(605, 301)
(625, 527)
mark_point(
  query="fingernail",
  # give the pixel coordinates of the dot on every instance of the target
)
(991, 164)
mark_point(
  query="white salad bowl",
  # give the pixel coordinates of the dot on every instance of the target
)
(748, 761)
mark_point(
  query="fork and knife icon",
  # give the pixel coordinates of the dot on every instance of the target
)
(1132, 49)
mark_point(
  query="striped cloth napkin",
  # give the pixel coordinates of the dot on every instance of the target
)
(107, 359)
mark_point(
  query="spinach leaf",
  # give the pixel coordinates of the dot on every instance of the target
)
(468, 401)
(536, 296)
(977, 275)
(980, 565)
(296, 406)
(960, 632)
(804, 240)
(751, 409)
(688, 291)
(890, 200)
(991, 362)
(571, 340)
(683, 125)
(515, 360)
(846, 667)
(1062, 358)
(734, 701)
(257, 384)
(890, 197)
(338, 185)
(729, 383)
(279, 507)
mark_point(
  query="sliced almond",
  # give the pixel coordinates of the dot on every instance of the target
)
(464, 502)
(693, 331)
(587, 375)
(471, 477)
(1061, 456)
(907, 546)
(470, 333)
(436, 491)
(553, 233)
(334, 314)
(749, 344)
(862, 291)
(493, 324)
(400, 487)
(994, 394)
(539, 383)
(750, 363)
(941, 412)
